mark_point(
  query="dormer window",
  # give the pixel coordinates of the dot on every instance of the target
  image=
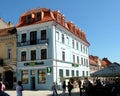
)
(59, 18)
(38, 16)
(29, 18)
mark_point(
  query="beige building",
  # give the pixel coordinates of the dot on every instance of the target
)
(4, 24)
(8, 55)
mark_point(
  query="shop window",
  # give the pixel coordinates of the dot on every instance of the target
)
(24, 76)
(42, 76)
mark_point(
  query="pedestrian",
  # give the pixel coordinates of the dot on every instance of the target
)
(70, 87)
(19, 88)
(63, 88)
(54, 89)
(2, 86)
(2, 93)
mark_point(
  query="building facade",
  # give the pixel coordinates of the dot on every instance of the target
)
(4, 24)
(8, 56)
(49, 49)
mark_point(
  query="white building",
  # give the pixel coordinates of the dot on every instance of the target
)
(49, 49)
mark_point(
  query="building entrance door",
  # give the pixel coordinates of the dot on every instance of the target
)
(33, 83)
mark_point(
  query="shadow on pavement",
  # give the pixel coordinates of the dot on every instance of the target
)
(73, 94)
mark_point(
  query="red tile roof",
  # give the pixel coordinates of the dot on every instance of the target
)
(48, 15)
(7, 31)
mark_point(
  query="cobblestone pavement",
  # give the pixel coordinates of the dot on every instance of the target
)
(75, 92)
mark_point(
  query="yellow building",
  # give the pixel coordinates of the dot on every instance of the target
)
(8, 56)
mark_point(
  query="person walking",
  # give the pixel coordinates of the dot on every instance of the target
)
(2, 86)
(70, 87)
(19, 88)
(54, 89)
(64, 88)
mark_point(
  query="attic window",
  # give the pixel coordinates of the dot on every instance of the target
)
(59, 18)
(38, 16)
(29, 18)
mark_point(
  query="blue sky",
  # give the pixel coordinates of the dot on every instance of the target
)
(99, 19)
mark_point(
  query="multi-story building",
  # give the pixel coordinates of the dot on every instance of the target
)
(49, 49)
(8, 55)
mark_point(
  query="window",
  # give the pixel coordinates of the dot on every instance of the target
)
(33, 55)
(81, 48)
(9, 53)
(77, 73)
(23, 38)
(38, 16)
(73, 43)
(87, 73)
(77, 45)
(57, 36)
(67, 40)
(83, 73)
(63, 39)
(29, 18)
(73, 58)
(67, 72)
(23, 56)
(41, 76)
(63, 55)
(24, 76)
(43, 53)
(73, 73)
(43, 34)
(33, 37)
(59, 19)
(61, 73)
(78, 59)
(81, 60)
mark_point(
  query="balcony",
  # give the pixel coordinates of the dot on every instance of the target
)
(9, 61)
(33, 42)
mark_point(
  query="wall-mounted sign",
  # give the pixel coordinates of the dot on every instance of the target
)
(33, 63)
(48, 69)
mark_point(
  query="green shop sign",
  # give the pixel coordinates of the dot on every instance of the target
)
(75, 65)
(33, 63)
(48, 69)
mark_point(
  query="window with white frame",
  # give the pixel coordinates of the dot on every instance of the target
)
(63, 55)
(73, 44)
(43, 53)
(57, 35)
(67, 40)
(78, 60)
(73, 58)
(77, 46)
(63, 38)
